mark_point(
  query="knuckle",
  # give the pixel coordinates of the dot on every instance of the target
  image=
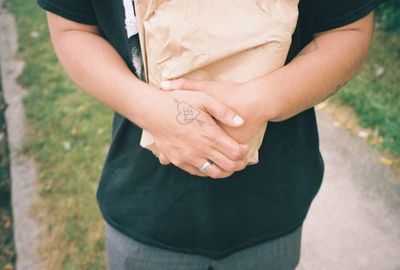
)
(223, 111)
(231, 166)
(163, 159)
(237, 166)
(245, 149)
(242, 165)
(236, 153)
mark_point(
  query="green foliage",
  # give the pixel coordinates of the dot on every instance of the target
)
(375, 92)
(388, 15)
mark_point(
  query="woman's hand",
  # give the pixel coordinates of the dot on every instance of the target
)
(240, 97)
(186, 133)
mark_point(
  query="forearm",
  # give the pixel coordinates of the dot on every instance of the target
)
(318, 72)
(94, 65)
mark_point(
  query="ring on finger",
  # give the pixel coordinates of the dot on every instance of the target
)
(206, 166)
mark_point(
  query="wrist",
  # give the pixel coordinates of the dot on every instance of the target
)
(265, 103)
(145, 105)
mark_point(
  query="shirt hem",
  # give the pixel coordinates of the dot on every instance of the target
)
(213, 254)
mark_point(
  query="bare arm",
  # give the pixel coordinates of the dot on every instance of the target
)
(318, 72)
(96, 67)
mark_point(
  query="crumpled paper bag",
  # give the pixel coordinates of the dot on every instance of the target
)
(219, 40)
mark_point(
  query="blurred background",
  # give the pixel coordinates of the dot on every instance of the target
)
(70, 133)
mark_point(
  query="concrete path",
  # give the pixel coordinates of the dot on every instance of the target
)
(23, 174)
(354, 222)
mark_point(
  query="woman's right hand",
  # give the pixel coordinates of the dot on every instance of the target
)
(186, 134)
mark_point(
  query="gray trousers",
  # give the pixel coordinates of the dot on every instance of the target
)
(125, 253)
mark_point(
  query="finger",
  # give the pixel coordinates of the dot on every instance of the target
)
(222, 112)
(216, 172)
(192, 170)
(185, 84)
(225, 163)
(163, 159)
(228, 146)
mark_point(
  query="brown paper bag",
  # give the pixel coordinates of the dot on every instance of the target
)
(227, 40)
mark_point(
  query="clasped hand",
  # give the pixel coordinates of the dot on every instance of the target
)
(199, 127)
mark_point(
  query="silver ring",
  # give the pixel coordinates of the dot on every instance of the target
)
(206, 166)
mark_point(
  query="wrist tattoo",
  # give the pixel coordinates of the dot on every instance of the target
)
(187, 113)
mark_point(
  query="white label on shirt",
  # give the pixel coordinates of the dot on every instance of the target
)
(130, 18)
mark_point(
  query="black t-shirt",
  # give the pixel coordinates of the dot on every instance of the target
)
(169, 208)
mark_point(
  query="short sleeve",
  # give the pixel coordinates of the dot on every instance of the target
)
(80, 11)
(331, 14)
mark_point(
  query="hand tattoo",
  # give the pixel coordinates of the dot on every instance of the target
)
(187, 113)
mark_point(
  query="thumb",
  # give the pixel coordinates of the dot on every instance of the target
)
(223, 113)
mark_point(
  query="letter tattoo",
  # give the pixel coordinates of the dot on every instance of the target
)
(187, 113)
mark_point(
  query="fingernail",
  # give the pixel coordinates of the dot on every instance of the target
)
(237, 120)
(165, 85)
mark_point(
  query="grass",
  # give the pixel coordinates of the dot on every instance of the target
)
(7, 253)
(71, 133)
(375, 92)
(70, 136)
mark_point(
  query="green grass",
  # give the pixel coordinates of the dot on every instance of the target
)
(376, 99)
(70, 136)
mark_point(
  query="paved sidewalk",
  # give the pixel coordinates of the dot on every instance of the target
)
(23, 173)
(354, 223)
